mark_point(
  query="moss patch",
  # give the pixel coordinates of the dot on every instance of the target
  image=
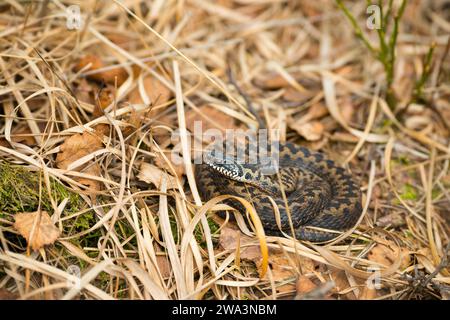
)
(19, 191)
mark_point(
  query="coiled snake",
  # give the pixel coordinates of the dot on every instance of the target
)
(320, 194)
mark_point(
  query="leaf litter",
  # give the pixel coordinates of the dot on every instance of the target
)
(95, 109)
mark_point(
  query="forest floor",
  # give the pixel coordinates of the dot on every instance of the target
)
(93, 97)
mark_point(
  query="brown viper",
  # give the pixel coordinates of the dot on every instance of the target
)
(320, 194)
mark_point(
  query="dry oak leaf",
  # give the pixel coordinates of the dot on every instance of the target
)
(37, 228)
(152, 174)
(76, 147)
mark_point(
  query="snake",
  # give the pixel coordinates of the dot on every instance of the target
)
(317, 199)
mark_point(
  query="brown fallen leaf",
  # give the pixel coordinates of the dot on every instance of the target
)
(394, 219)
(76, 147)
(293, 95)
(281, 265)
(7, 295)
(304, 285)
(385, 252)
(210, 118)
(274, 80)
(282, 272)
(154, 92)
(152, 174)
(164, 266)
(368, 293)
(166, 165)
(341, 283)
(96, 63)
(37, 228)
(230, 238)
(119, 39)
(311, 131)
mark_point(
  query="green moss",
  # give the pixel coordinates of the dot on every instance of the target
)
(409, 192)
(19, 191)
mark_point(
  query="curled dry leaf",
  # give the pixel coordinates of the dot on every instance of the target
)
(37, 228)
(152, 174)
(96, 63)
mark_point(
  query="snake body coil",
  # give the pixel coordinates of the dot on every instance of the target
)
(319, 193)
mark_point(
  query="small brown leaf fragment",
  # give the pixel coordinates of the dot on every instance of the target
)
(152, 174)
(230, 238)
(76, 147)
(386, 252)
(103, 100)
(368, 293)
(7, 295)
(282, 271)
(294, 95)
(209, 118)
(37, 228)
(340, 279)
(273, 81)
(96, 63)
(311, 131)
(166, 165)
(154, 90)
(304, 285)
(164, 266)
(394, 219)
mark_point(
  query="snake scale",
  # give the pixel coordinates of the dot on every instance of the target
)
(320, 194)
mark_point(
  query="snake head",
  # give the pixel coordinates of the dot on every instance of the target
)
(226, 166)
(231, 168)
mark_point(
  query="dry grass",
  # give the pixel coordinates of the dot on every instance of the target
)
(300, 63)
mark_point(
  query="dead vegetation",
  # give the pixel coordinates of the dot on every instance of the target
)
(88, 113)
